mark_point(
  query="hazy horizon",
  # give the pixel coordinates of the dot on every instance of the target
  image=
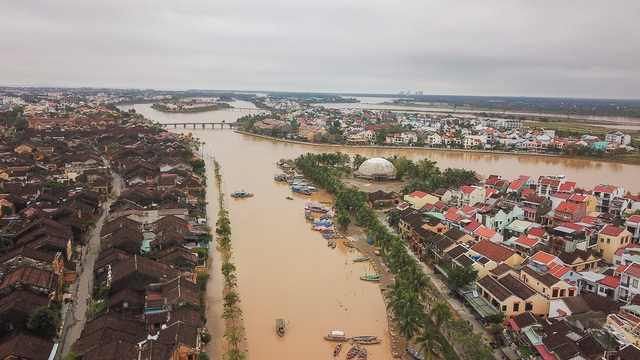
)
(569, 49)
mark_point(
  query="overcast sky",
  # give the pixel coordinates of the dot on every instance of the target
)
(579, 48)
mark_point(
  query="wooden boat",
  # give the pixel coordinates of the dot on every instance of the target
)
(353, 351)
(280, 326)
(336, 335)
(289, 198)
(366, 339)
(331, 243)
(362, 355)
(241, 194)
(370, 277)
(316, 208)
(337, 349)
(369, 341)
(360, 259)
(414, 353)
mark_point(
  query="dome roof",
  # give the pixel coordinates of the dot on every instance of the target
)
(377, 166)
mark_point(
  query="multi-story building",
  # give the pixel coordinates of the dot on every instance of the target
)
(605, 194)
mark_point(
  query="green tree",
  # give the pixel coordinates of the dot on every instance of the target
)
(440, 312)
(234, 354)
(461, 276)
(44, 321)
(429, 343)
(234, 335)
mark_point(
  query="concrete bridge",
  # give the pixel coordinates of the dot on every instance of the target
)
(203, 125)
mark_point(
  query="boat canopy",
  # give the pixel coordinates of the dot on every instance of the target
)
(337, 333)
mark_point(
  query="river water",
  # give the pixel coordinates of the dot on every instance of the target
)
(285, 270)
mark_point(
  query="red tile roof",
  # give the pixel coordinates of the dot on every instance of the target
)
(418, 194)
(527, 241)
(633, 269)
(467, 189)
(567, 207)
(634, 218)
(609, 189)
(539, 232)
(611, 230)
(542, 257)
(610, 281)
(492, 251)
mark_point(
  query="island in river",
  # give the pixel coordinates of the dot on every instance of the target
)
(181, 107)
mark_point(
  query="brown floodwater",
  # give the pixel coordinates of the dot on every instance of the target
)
(286, 270)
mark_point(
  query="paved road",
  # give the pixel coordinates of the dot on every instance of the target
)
(82, 288)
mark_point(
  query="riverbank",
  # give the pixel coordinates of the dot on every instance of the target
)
(630, 161)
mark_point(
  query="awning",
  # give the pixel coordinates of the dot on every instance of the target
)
(514, 325)
(546, 355)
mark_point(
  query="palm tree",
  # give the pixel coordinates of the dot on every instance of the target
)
(440, 312)
(419, 282)
(408, 311)
(428, 343)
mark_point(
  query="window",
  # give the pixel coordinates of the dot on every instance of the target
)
(554, 293)
(504, 308)
(608, 241)
(562, 292)
(528, 306)
(635, 283)
(571, 292)
(516, 306)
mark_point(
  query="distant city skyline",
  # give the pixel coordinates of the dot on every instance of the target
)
(576, 49)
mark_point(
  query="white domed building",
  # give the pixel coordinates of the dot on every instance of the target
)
(376, 169)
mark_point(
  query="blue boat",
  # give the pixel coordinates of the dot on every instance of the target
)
(325, 236)
(301, 190)
(323, 223)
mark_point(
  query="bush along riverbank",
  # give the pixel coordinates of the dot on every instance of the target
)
(232, 312)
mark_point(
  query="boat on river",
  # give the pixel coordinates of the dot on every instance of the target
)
(281, 177)
(366, 339)
(370, 277)
(353, 351)
(414, 353)
(241, 194)
(289, 198)
(362, 355)
(280, 326)
(360, 259)
(336, 335)
(337, 349)
(302, 190)
(316, 208)
(369, 341)
(331, 243)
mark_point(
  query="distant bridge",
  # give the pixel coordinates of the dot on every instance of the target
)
(202, 125)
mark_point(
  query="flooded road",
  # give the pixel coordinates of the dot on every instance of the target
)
(286, 270)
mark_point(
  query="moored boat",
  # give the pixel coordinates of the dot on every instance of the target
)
(241, 194)
(370, 277)
(362, 355)
(353, 351)
(366, 339)
(280, 326)
(369, 341)
(289, 198)
(302, 190)
(316, 208)
(331, 243)
(360, 259)
(336, 335)
(337, 349)
(414, 353)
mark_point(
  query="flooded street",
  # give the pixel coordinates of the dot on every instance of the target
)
(286, 270)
